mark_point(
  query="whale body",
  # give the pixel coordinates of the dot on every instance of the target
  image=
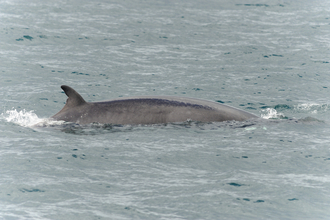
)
(146, 110)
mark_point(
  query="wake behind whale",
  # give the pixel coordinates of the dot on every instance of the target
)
(145, 110)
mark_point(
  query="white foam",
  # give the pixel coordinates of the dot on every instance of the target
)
(312, 107)
(27, 118)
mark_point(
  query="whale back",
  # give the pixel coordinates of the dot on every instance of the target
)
(145, 110)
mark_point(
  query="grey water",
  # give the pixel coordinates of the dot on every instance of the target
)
(270, 58)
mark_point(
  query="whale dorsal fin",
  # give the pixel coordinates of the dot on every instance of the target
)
(74, 98)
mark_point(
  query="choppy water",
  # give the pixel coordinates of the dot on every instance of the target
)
(270, 58)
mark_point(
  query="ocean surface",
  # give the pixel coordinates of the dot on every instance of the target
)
(270, 58)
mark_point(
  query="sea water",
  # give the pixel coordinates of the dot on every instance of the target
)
(270, 58)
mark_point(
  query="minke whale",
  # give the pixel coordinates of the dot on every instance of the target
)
(145, 110)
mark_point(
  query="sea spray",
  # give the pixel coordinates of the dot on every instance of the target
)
(272, 114)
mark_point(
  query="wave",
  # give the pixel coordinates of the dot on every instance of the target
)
(278, 111)
(312, 108)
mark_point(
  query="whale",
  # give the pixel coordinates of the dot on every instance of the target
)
(145, 110)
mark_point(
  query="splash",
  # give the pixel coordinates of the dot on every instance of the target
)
(272, 114)
(26, 118)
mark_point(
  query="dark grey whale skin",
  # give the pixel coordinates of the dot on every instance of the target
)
(146, 110)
